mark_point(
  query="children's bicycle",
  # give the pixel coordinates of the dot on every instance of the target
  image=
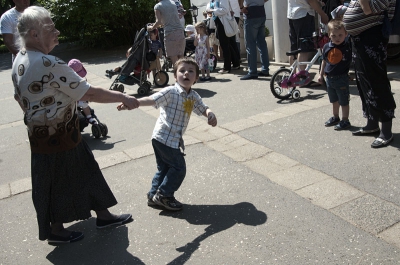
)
(284, 81)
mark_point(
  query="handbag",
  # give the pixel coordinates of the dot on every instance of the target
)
(229, 22)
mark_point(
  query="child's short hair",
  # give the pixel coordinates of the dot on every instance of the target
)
(201, 25)
(187, 60)
(335, 24)
(155, 32)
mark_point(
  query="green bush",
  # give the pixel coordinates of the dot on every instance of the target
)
(100, 23)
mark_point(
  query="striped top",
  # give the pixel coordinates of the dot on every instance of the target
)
(356, 21)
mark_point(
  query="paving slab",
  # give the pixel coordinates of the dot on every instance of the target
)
(369, 213)
(232, 216)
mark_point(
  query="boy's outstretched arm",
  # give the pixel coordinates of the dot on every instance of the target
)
(146, 101)
(212, 119)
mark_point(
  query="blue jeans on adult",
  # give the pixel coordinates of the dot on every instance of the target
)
(254, 35)
(171, 168)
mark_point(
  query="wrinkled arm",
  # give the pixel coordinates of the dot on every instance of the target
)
(158, 21)
(9, 42)
(100, 95)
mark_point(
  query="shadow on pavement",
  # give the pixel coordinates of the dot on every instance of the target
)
(219, 218)
(205, 93)
(108, 246)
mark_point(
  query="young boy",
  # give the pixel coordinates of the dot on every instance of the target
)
(176, 103)
(335, 66)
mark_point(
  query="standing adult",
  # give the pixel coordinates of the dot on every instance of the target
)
(228, 44)
(254, 34)
(67, 182)
(369, 54)
(301, 15)
(8, 26)
(167, 15)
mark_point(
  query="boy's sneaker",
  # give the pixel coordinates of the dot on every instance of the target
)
(169, 203)
(332, 121)
(150, 200)
(342, 125)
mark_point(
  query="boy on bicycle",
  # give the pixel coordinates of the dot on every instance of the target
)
(335, 67)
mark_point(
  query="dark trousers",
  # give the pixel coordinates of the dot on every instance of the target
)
(369, 51)
(228, 46)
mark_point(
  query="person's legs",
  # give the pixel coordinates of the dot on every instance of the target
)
(335, 109)
(162, 169)
(302, 28)
(262, 45)
(250, 36)
(176, 169)
(225, 44)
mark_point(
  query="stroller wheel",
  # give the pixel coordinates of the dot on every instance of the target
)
(96, 131)
(104, 129)
(161, 78)
(120, 88)
(142, 90)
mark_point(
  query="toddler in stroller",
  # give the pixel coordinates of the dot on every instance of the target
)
(137, 66)
(86, 114)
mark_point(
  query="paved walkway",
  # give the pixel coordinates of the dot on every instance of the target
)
(269, 185)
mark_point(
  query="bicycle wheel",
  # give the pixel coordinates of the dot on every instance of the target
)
(161, 78)
(275, 84)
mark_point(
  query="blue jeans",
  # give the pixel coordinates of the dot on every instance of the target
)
(171, 168)
(338, 89)
(254, 34)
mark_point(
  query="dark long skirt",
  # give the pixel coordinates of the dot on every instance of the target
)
(66, 186)
(369, 54)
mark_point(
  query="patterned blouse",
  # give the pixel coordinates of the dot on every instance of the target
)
(175, 108)
(48, 90)
(356, 21)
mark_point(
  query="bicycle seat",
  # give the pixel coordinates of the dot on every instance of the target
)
(295, 52)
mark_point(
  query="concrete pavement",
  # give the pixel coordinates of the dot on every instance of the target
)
(269, 185)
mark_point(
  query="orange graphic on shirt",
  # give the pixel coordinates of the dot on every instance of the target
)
(334, 56)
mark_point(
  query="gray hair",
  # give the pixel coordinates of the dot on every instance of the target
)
(32, 18)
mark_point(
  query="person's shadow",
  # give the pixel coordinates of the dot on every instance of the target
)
(219, 218)
(106, 246)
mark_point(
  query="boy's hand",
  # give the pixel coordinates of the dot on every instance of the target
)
(121, 107)
(212, 120)
(321, 79)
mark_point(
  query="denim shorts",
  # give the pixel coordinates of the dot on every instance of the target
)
(338, 89)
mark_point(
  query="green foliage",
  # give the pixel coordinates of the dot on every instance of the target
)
(100, 23)
(266, 31)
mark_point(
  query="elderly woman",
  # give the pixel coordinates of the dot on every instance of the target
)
(167, 15)
(66, 180)
(364, 21)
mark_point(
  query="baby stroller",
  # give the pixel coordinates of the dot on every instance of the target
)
(135, 69)
(99, 129)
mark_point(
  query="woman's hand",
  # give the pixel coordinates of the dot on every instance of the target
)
(130, 102)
